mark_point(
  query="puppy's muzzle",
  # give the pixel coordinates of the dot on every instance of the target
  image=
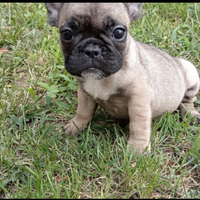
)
(93, 51)
(93, 58)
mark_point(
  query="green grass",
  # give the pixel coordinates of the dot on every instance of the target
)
(38, 97)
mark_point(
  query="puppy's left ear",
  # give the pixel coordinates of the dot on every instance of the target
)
(134, 10)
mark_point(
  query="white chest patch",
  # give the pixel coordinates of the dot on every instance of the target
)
(101, 89)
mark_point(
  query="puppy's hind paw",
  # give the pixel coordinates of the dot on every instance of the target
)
(197, 120)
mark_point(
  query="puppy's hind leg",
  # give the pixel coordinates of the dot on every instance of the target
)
(192, 88)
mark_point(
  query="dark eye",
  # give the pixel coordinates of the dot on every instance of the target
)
(119, 33)
(67, 35)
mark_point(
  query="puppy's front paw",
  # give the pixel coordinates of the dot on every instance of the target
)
(74, 126)
(71, 129)
(140, 146)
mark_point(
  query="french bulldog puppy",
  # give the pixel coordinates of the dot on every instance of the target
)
(129, 79)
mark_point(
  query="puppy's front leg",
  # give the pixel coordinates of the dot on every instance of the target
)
(84, 113)
(140, 124)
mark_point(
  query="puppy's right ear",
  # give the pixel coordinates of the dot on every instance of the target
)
(53, 11)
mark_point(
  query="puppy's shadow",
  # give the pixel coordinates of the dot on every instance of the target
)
(102, 120)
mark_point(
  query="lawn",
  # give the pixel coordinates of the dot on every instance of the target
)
(38, 97)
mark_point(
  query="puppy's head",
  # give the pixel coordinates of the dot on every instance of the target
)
(93, 36)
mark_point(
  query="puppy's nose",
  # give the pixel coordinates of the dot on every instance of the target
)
(92, 51)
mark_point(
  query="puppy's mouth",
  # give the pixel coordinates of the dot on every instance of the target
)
(93, 73)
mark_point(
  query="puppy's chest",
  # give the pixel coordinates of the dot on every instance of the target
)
(98, 89)
(108, 96)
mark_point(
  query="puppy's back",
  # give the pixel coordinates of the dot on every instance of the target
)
(165, 78)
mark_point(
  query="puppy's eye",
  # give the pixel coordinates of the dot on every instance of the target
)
(67, 35)
(119, 33)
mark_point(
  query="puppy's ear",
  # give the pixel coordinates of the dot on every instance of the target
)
(134, 10)
(53, 11)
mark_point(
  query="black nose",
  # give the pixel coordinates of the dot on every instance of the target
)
(92, 51)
